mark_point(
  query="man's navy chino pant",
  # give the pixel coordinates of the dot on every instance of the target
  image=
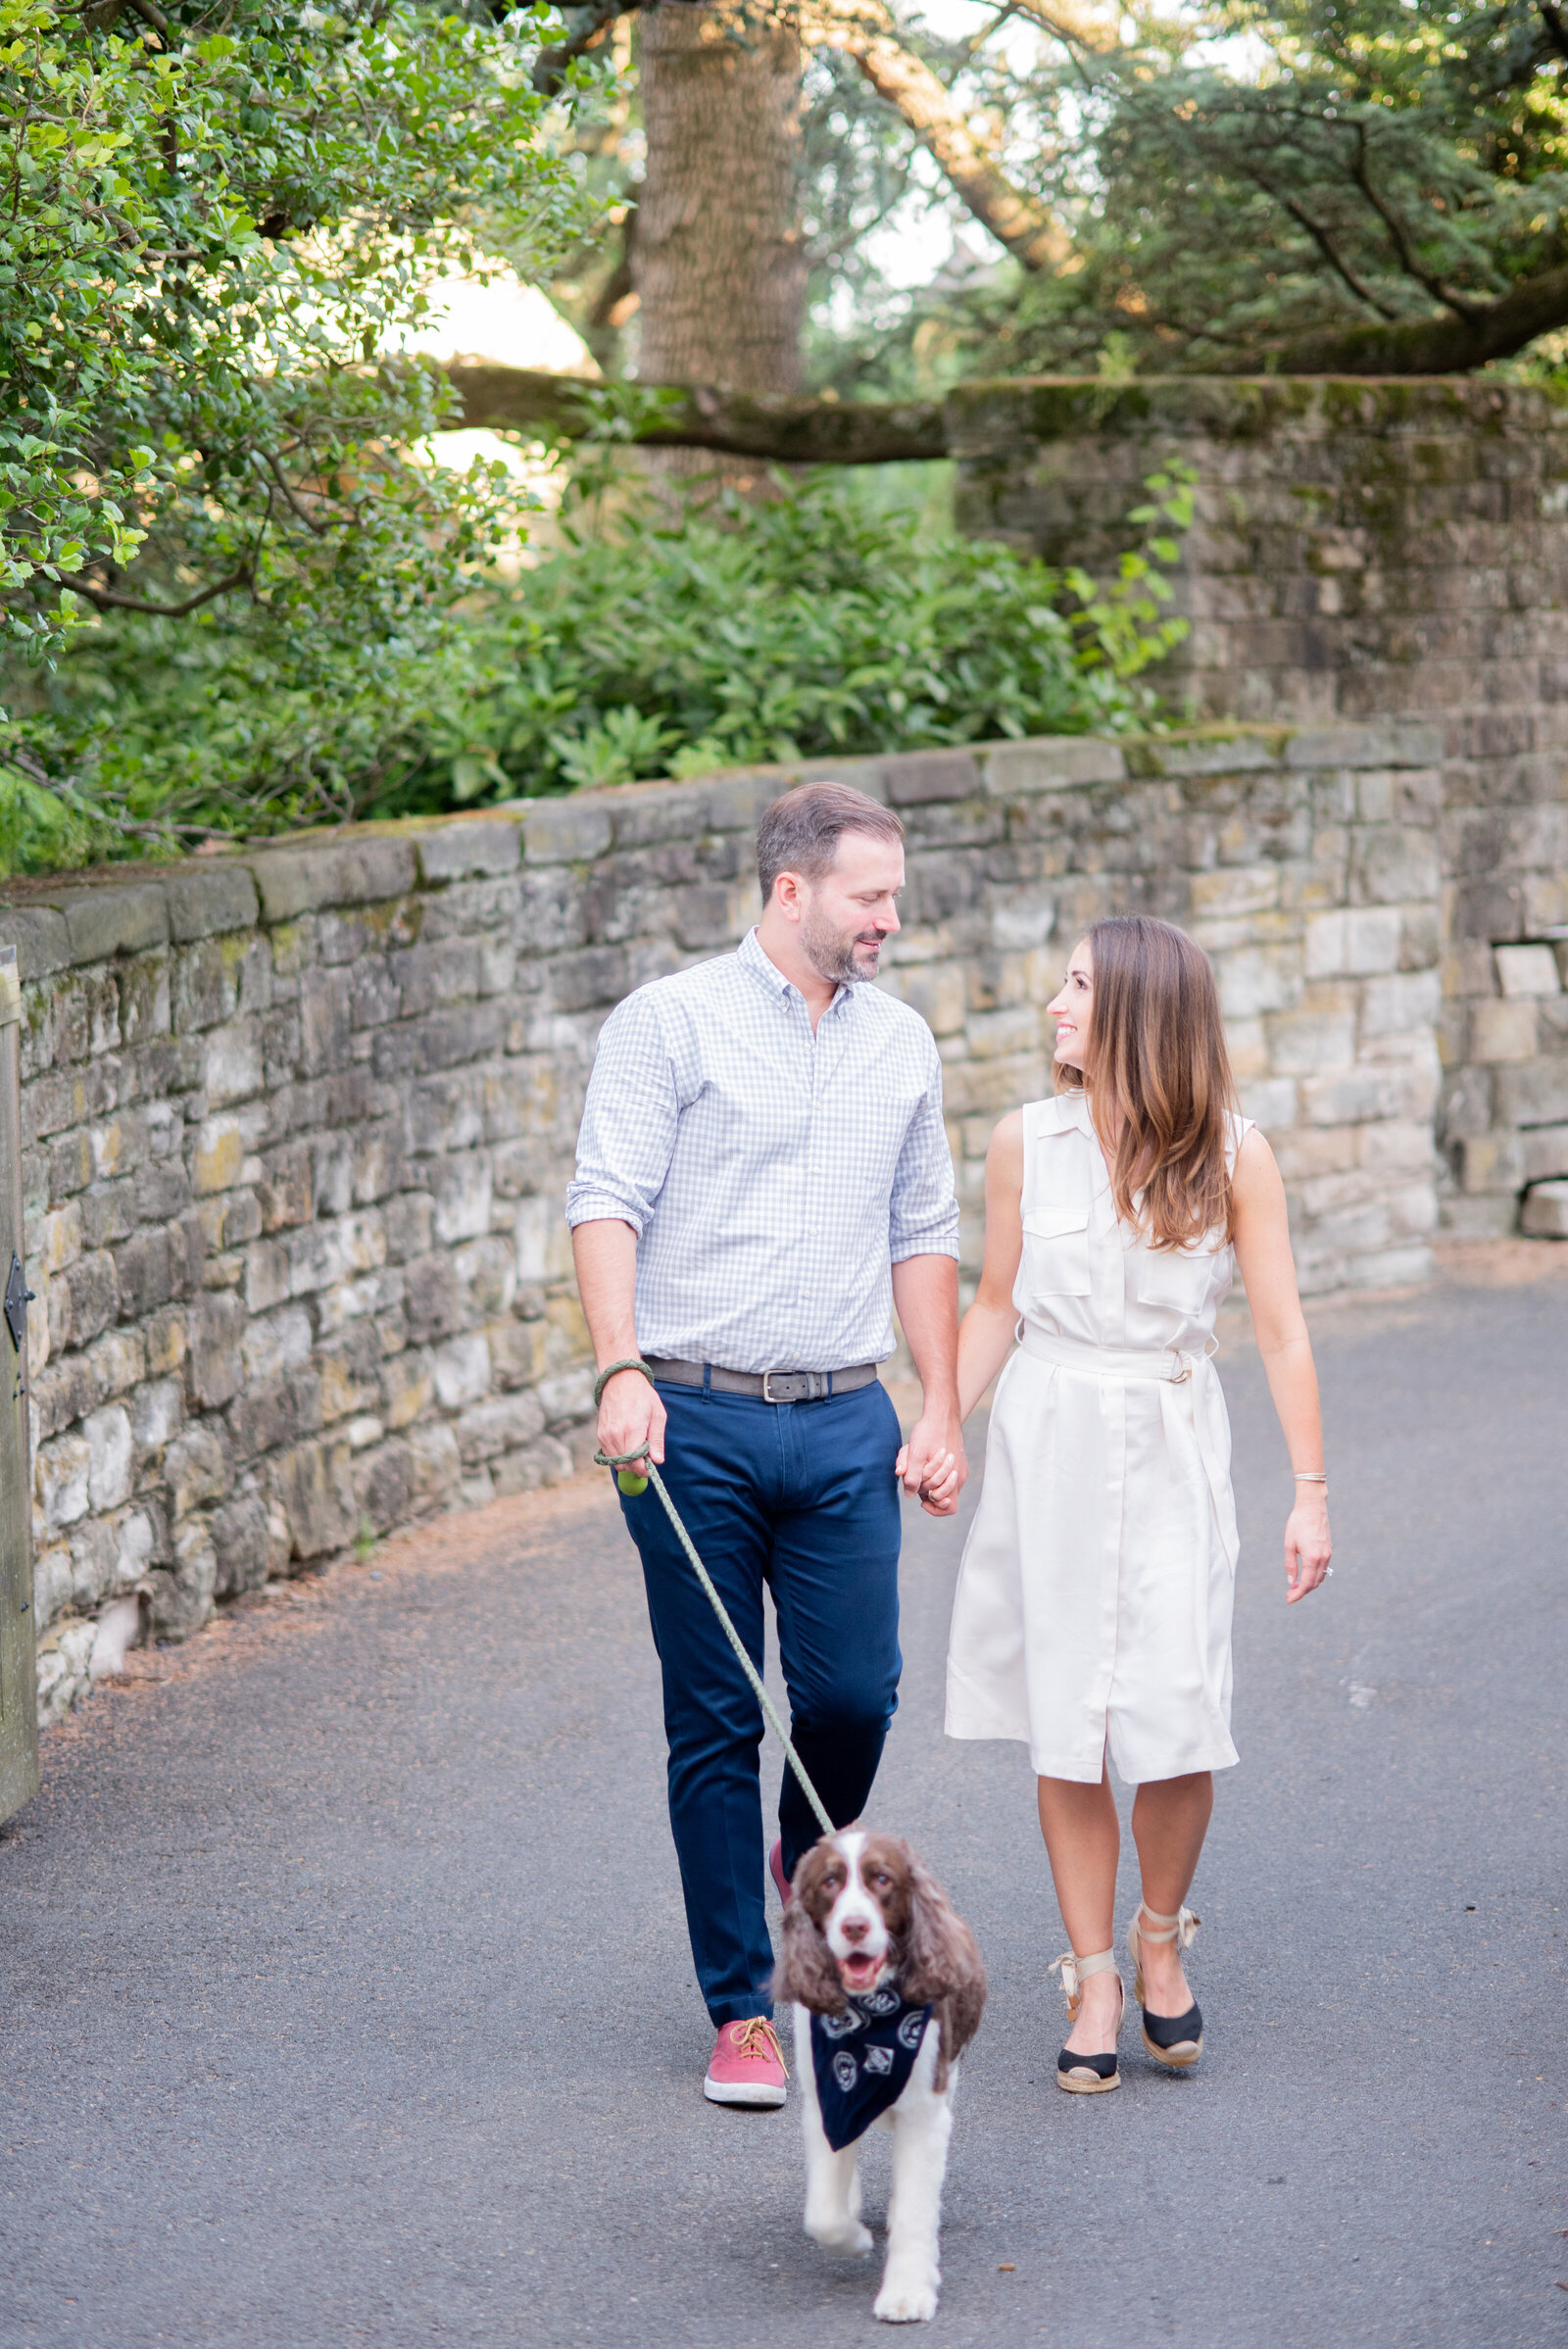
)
(801, 1498)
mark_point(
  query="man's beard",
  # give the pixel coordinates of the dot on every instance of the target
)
(831, 953)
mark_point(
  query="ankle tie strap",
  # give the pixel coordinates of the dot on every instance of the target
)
(1179, 1928)
(1076, 1970)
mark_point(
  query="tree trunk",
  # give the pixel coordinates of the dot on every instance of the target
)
(721, 259)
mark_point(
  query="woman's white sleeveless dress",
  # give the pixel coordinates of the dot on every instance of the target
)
(1093, 1600)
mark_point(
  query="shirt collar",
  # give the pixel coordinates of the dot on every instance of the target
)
(752, 956)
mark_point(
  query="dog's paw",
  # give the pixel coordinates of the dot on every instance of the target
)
(906, 2301)
(842, 2234)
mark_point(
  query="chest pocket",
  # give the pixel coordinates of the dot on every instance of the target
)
(1177, 1279)
(1055, 1251)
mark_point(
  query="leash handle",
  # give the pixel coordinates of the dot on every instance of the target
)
(647, 1468)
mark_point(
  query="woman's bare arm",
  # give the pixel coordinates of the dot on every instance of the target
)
(986, 1333)
(1267, 1267)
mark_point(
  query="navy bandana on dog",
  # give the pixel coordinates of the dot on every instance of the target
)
(863, 2060)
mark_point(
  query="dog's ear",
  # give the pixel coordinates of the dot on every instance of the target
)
(941, 1959)
(806, 1973)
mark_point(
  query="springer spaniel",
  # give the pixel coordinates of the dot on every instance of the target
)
(887, 1990)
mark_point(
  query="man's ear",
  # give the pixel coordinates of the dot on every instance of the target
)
(788, 896)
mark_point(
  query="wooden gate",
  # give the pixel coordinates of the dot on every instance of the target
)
(19, 1681)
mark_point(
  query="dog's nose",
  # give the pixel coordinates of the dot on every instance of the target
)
(855, 1928)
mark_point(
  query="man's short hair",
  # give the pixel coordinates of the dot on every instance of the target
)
(799, 833)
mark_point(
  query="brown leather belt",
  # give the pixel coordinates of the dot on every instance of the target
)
(766, 1386)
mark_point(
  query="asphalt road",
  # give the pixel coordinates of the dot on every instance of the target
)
(343, 1996)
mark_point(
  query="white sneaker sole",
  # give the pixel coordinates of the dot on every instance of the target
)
(719, 2091)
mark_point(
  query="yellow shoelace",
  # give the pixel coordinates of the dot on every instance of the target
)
(758, 2041)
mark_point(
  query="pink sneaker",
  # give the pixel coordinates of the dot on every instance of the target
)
(746, 2065)
(775, 1869)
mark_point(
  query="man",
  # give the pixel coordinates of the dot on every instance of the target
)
(762, 1172)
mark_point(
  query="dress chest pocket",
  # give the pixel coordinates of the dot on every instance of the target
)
(1178, 1279)
(1055, 1251)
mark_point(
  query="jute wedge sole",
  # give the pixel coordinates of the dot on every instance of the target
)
(1177, 2058)
(1080, 2082)
(1174, 2040)
(1087, 2074)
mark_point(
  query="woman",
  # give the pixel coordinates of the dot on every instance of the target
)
(1093, 1610)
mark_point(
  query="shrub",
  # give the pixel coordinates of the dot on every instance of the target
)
(720, 634)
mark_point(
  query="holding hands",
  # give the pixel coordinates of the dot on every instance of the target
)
(933, 1465)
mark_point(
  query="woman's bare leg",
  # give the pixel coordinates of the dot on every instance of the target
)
(1083, 1840)
(1170, 1819)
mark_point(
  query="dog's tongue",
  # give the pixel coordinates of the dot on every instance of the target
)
(858, 1973)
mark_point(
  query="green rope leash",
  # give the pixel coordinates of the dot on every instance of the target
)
(626, 1460)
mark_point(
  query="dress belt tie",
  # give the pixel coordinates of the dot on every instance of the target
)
(1164, 1366)
(1168, 1362)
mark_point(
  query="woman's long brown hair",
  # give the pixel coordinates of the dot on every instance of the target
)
(1157, 1049)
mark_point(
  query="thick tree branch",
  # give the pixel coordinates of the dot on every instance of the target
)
(867, 33)
(777, 427)
(1435, 346)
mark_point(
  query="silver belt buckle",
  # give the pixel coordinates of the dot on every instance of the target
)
(769, 1376)
(806, 1382)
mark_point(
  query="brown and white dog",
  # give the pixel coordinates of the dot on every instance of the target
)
(869, 1945)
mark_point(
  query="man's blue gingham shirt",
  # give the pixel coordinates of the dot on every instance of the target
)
(772, 1177)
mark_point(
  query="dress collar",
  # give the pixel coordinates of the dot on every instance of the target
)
(1078, 1111)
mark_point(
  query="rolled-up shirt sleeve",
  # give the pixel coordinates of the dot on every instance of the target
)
(627, 1135)
(923, 1209)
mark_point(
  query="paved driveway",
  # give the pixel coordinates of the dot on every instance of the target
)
(345, 1995)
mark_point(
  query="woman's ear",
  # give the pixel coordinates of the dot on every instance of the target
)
(806, 1973)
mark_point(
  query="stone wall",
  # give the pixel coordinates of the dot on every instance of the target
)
(298, 1121)
(1364, 551)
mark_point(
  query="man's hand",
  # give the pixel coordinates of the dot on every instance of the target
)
(932, 1463)
(631, 1418)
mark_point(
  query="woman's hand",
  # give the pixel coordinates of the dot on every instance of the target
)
(942, 1484)
(1308, 1544)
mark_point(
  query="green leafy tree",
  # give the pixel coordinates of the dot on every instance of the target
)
(1308, 187)
(210, 221)
(1382, 190)
(1298, 185)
